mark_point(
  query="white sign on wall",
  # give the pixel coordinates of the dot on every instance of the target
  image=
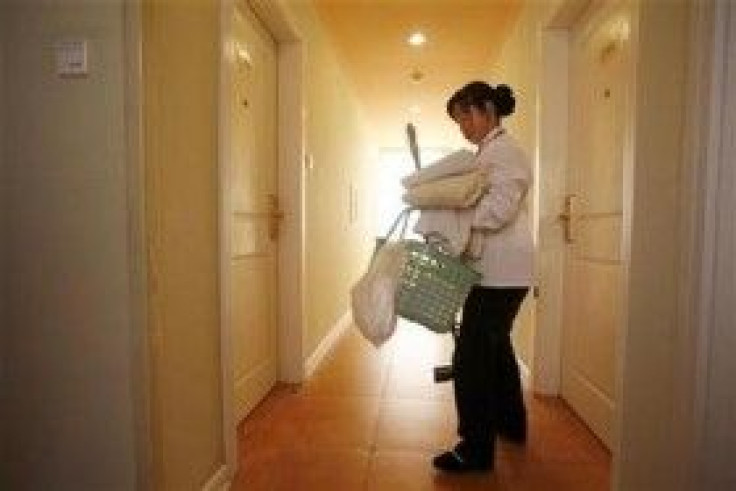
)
(71, 58)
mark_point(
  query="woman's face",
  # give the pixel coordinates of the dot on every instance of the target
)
(474, 123)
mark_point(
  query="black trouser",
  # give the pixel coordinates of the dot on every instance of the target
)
(487, 384)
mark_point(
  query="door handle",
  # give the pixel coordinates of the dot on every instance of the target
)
(566, 217)
(275, 215)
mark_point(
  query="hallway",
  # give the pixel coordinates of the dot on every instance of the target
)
(371, 419)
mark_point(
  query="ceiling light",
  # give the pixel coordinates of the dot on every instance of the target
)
(416, 39)
(415, 109)
(416, 75)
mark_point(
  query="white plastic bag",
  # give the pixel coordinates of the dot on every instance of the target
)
(373, 295)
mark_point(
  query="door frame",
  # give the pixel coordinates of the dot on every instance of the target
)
(707, 305)
(291, 149)
(138, 288)
(552, 150)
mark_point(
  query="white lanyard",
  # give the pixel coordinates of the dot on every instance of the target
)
(492, 135)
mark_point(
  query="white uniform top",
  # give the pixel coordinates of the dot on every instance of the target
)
(501, 214)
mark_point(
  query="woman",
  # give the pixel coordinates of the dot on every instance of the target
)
(488, 395)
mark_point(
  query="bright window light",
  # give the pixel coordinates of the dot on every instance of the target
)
(393, 164)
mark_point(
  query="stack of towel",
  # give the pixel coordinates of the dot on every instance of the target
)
(446, 193)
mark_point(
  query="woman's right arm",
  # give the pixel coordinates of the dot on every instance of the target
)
(509, 181)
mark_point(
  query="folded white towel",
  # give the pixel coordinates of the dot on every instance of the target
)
(458, 162)
(452, 228)
(457, 191)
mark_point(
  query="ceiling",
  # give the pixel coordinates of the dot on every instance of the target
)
(464, 38)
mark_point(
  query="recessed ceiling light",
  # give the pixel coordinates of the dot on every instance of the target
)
(416, 75)
(416, 39)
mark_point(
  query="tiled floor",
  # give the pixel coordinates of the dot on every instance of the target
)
(371, 419)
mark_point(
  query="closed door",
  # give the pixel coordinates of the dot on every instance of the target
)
(253, 211)
(592, 215)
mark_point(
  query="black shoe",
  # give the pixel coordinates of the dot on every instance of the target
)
(461, 460)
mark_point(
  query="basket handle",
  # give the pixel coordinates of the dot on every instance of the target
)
(403, 218)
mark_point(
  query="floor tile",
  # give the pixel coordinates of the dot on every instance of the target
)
(559, 477)
(373, 418)
(412, 471)
(341, 422)
(302, 470)
(415, 424)
(366, 381)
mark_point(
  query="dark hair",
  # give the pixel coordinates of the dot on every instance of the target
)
(479, 94)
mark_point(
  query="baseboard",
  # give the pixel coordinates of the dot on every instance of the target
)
(219, 481)
(328, 343)
(251, 388)
(525, 373)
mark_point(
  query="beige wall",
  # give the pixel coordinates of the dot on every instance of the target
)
(647, 426)
(517, 66)
(69, 406)
(717, 238)
(180, 62)
(336, 140)
(3, 251)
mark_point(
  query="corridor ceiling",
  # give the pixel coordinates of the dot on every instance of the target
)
(397, 83)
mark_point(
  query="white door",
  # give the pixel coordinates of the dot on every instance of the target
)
(253, 212)
(599, 61)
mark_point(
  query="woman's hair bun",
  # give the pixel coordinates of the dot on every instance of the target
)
(480, 94)
(503, 99)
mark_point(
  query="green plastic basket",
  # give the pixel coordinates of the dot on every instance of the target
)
(433, 286)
